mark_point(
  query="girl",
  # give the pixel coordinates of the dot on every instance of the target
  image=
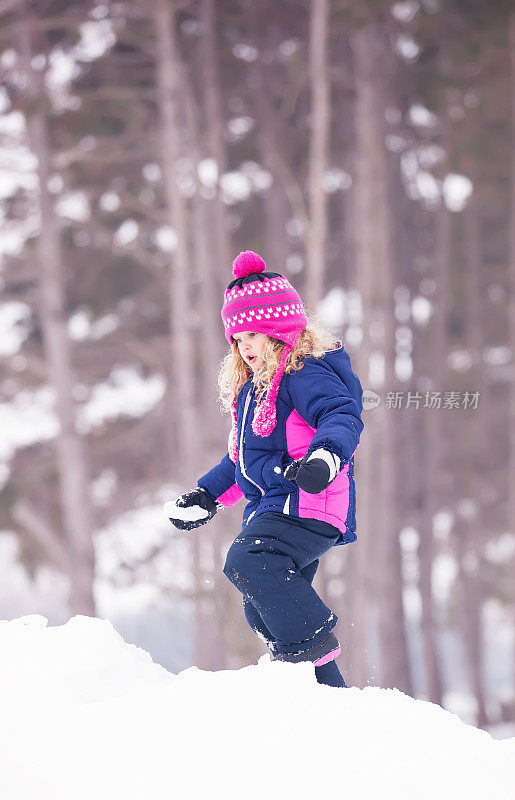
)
(296, 408)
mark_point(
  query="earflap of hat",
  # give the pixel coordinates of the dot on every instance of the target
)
(265, 415)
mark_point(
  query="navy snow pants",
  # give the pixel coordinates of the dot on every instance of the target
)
(273, 562)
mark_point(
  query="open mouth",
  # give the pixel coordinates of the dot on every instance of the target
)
(251, 359)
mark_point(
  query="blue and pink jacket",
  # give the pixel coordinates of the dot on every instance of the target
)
(317, 406)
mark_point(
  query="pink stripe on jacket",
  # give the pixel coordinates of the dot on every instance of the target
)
(332, 504)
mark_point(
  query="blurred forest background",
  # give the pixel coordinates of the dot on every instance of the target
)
(366, 150)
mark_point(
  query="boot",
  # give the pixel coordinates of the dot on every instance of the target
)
(322, 652)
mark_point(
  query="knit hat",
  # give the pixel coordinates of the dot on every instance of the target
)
(262, 302)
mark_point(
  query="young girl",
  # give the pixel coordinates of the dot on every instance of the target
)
(296, 408)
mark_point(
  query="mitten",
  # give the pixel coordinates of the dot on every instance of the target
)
(191, 509)
(315, 471)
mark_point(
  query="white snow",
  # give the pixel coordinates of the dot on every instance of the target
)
(30, 417)
(245, 52)
(141, 543)
(260, 179)
(127, 232)
(109, 201)
(14, 326)
(166, 238)
(21, 593)
(125, 392)
(289, 47)
(86, 715)
(74, 205)
(420, 116)
(457, 191)
(421, 310)
(235, 187)
(332, 309)
(96, 39)
(335, 180)
(406, 47)
(189, 514)
(240, 126)
(81, 325)
(405, 11)
(207, 172)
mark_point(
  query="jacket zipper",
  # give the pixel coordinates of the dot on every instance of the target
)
(242, 440)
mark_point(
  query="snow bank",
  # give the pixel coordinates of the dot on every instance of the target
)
(85, 715)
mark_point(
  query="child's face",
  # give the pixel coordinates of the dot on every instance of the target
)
(250, 345)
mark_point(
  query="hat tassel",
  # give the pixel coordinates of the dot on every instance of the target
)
(265, 416)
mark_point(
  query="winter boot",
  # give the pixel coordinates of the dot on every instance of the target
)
(321, 653)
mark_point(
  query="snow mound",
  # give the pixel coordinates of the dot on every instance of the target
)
(86, 715)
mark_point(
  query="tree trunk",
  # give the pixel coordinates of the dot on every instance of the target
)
(373, 248)
(210, 332)
(182, 365)
(434, 462)
(473, 530)
(358, 594)
(318, 152)
(511, 317)
(318, 157)
(72, 465)
(272, 140)
(212, 96)
(276, 208)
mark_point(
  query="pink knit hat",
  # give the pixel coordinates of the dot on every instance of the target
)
(263, 302)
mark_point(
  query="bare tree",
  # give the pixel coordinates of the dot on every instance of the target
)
(169, 71)
(318, 151)
(359, 560)
(471, 563)
(434, 454)
(511, 316)
(211, 349)
(214, 128)
(375, 271)
(76, 558)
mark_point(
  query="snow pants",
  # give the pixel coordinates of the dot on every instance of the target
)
(272, 563)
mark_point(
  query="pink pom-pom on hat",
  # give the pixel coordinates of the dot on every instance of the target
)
(247, 263)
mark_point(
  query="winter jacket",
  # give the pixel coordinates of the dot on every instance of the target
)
(317, 406)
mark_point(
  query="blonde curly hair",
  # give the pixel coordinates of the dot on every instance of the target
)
(315, 340)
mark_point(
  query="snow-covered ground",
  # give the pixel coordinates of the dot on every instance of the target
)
(85, 715)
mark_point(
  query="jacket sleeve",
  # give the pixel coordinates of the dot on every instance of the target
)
(220, 483)
(323, 400)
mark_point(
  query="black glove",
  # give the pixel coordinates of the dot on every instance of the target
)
(199, 501)
(315, 471)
